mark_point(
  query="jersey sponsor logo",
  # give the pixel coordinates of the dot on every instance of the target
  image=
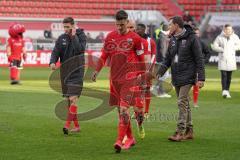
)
(125, 45)
(110, 46)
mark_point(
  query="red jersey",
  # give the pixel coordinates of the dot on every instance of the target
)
(151, 46)
(124, 51)
(145, 45)
(16, 46)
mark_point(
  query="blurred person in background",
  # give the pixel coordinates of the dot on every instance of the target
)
(226, 45)
(162, 47)
(206, 55)
(16, 51)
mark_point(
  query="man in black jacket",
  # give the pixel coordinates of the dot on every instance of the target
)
(206, 54)
(186, 61)
(70, 48)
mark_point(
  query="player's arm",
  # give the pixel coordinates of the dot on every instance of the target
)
(8, 51)
(101, 61)
(198, 58)
(55, 55)
(217, 45)
(146, 55)
(8, 48)
(153, 54)
(140, 49)
(24, 53)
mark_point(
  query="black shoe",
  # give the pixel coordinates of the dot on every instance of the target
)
(14, 82)
(65, 131)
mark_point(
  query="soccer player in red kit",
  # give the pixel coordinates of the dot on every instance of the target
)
(15, 51)
(131, 26)
(125, 50)
(150, 49)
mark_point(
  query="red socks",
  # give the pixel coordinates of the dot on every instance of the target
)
(195, 94)
(72, 116)
(124, 127)
(14, 73)
(147, 104)
(129, 131)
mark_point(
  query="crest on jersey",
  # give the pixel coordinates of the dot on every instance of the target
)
(129, 40)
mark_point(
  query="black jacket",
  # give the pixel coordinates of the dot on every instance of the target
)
(185, 58)
(66, 47)
(71, 54)
(206, 51)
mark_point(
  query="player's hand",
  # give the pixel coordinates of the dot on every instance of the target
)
(53, 66)
(94, 76)
(200, 84)
(73, 31)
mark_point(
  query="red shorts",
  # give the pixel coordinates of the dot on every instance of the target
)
(126, 94)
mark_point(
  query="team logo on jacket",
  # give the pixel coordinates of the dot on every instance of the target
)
(173, 44)
(64, 42)
(184, 43)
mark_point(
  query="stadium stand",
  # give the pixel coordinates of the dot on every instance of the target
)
(196, 8)
(81, 8)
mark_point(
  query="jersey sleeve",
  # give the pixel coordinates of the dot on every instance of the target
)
(153, 47)
(101, 60)
(105, 53)
(138, 45)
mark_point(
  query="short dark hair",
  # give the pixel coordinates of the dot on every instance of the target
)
(68, 20)
(142, 25)
(227, 25)
(121, 15)
(178, 20)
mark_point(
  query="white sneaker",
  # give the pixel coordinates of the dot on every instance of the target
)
(164, 95)
(225, 93)
(228, 94)
(195, 105)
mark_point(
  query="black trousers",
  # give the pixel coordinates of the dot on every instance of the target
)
(226, 77)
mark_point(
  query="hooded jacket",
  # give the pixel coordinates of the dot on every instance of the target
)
(226, 48)
(185, 58)
(70, 51)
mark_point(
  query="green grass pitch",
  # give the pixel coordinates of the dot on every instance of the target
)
(29, 129)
